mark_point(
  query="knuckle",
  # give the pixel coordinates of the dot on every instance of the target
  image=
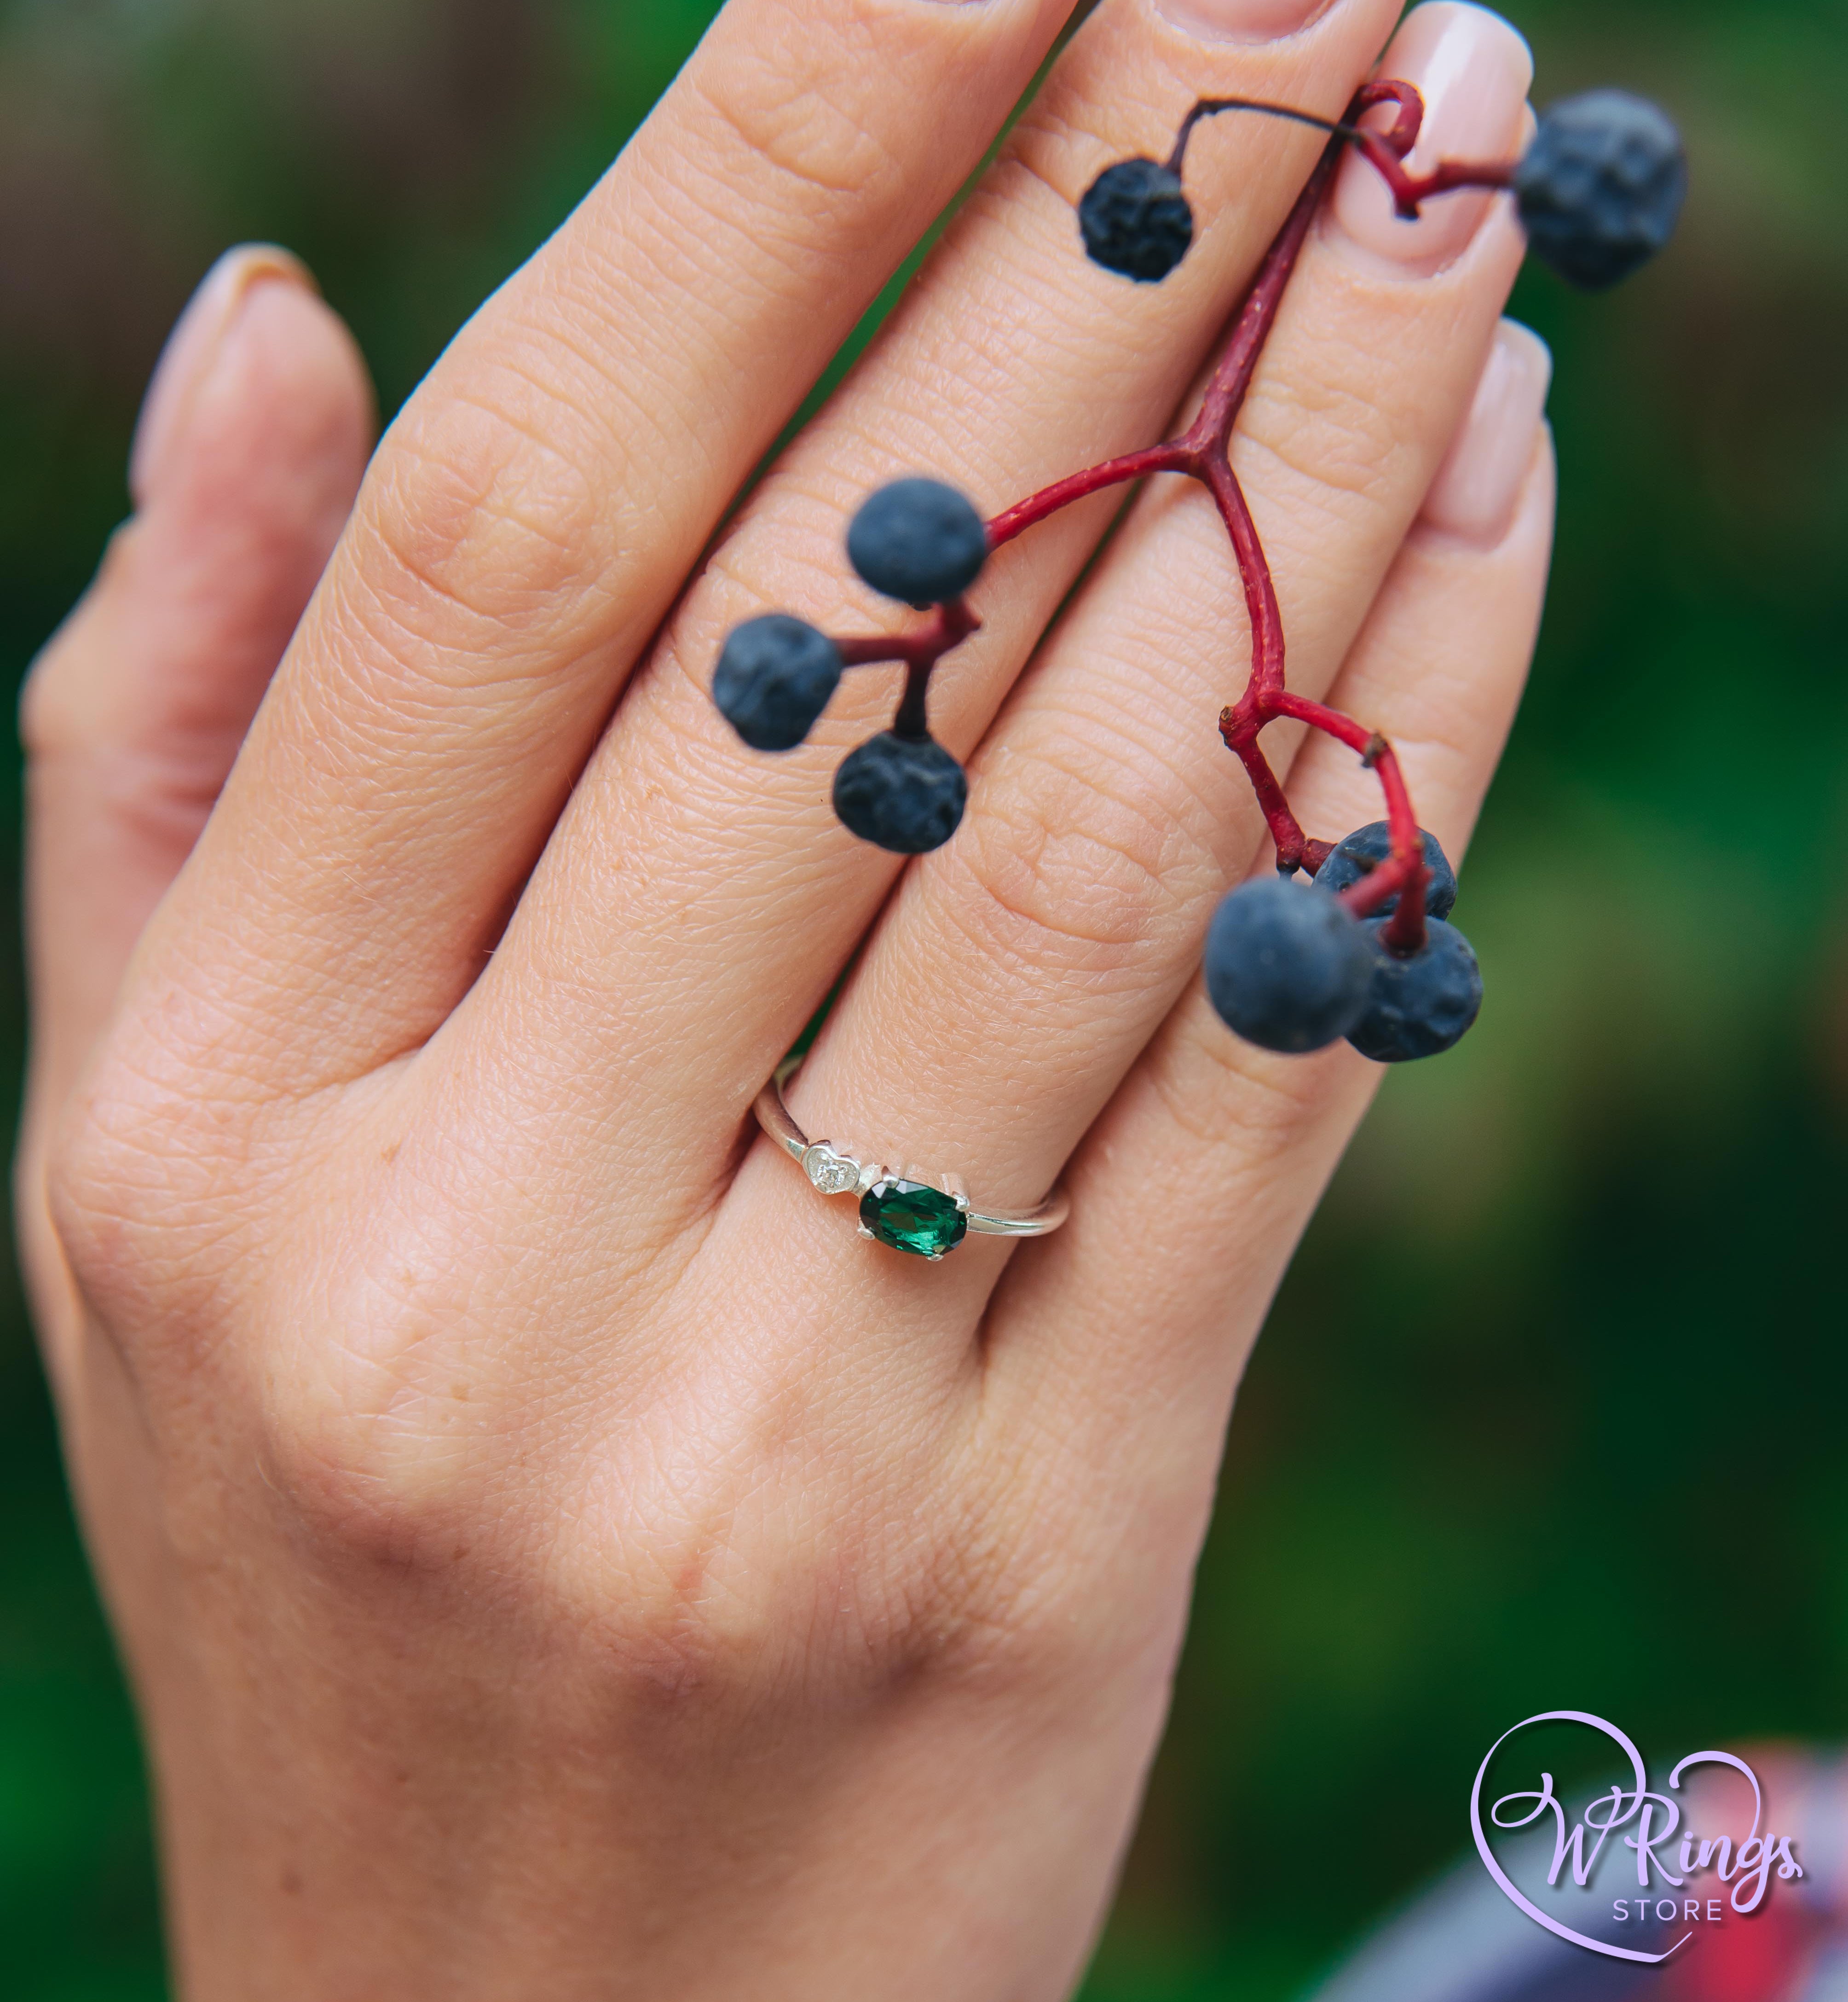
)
(377, 1487)
(488, 527)
(780, 110)
(709, 1595)
(58, 710)
(1231, 1099)
(1327, 436)
(133, 1201)
(385, 1425)
(1077, 862)
(156, 1181)
(93, 1195)
(1023, 1609)
(934, 1596)
(54, 720)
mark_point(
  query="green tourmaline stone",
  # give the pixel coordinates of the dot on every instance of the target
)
(910, 1217)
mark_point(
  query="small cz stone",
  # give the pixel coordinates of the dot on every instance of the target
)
(910, 1216)
(833, 1173)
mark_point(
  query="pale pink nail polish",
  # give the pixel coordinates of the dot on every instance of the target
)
(1474, 71)
(186, 359)
(1243, 20)
(1479, 484)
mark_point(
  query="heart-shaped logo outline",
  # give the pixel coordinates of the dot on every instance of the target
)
(1639, 1774)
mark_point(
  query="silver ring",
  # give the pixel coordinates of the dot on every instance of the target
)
(911, 1212)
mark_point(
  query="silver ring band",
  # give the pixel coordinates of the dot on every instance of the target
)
(911, 1212)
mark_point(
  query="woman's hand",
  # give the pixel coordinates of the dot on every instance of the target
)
(555, 1555)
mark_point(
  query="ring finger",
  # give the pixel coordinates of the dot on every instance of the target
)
(1022, 969)
(1213, 1153)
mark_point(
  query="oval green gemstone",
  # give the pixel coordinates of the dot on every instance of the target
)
(910, 1217)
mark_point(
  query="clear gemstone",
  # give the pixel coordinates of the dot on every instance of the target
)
(833, 1173)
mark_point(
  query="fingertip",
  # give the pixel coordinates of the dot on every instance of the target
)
(252, 445)
(247, 492)
(1539, 497)
(1474, 70)
(1526, 547)
(1478, 489)
(191, 348)
(277, 431)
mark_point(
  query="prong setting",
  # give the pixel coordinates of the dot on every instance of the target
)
(924, 1216)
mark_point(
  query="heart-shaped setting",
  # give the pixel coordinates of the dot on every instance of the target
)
(832, 1172)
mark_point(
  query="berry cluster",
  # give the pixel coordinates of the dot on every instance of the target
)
(923, 543)
(1294, 972)
(1367, 951)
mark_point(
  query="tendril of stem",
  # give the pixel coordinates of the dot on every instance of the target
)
(1203, 452)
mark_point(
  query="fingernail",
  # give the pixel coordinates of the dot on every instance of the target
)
(186, 362)
(1474, 71)
(1478, 484)
(1243, 20)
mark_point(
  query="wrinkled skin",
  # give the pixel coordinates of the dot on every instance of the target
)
(554, 1554)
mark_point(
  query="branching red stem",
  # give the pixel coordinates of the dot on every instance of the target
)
(948, 626)
(1408, 190)
(1171, 457)
(1203, 452)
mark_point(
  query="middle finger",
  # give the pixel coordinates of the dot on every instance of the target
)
(1044, 945)
(699, 899)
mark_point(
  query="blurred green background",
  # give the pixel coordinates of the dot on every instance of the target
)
(1551, 1410)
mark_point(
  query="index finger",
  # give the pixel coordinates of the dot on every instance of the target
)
(531, 516)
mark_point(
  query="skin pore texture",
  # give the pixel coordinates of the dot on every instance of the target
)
(553, 1553)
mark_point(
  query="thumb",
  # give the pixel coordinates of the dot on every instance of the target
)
(252, 439)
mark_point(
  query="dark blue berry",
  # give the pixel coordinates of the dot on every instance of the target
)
(1601, 188)
(1135, 220)
(906, 793)
(1287, 969)
(774, 678)
(919, 541)
(1422, 1004)
(1367, 847)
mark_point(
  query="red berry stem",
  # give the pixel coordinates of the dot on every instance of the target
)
(1203, 452)
(1410, 190)
(949, 626)
(920, 650)
(1385, 151)
(1207, 440)
(1406, 869)
(1210, 107)
(1170, 457)
(1402, 135)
